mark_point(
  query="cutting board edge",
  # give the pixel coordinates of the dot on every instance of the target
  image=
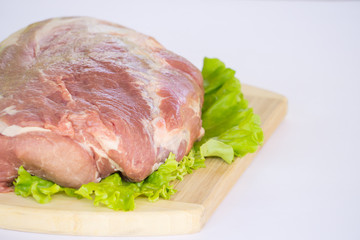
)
(182, 218)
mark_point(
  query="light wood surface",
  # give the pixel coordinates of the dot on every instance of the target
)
(198, 195)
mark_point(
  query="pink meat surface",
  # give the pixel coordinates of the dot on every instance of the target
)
(82, 98)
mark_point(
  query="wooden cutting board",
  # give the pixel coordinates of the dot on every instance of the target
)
(198, 195)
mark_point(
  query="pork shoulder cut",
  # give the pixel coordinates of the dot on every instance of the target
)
(82, 98)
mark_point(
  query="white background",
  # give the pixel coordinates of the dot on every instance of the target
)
(305, 182)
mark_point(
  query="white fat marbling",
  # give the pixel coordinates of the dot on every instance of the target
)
(11, 110)
(14, 130)
(3, 126)
(156, 166)
(90, 147)
(170, 140)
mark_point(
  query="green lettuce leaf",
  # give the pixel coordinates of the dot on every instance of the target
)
(219, 149)
(40, 189)
(112, 192)
(227, 119)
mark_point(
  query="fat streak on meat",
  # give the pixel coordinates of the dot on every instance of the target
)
(82, 98)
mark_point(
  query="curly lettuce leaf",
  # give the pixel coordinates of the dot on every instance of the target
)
(112, 192)
(216, 148)
(227, 119)
(40, 189)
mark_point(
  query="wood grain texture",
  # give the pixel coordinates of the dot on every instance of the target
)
(198, 195)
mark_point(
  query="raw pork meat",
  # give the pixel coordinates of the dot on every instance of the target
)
(82, 98)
